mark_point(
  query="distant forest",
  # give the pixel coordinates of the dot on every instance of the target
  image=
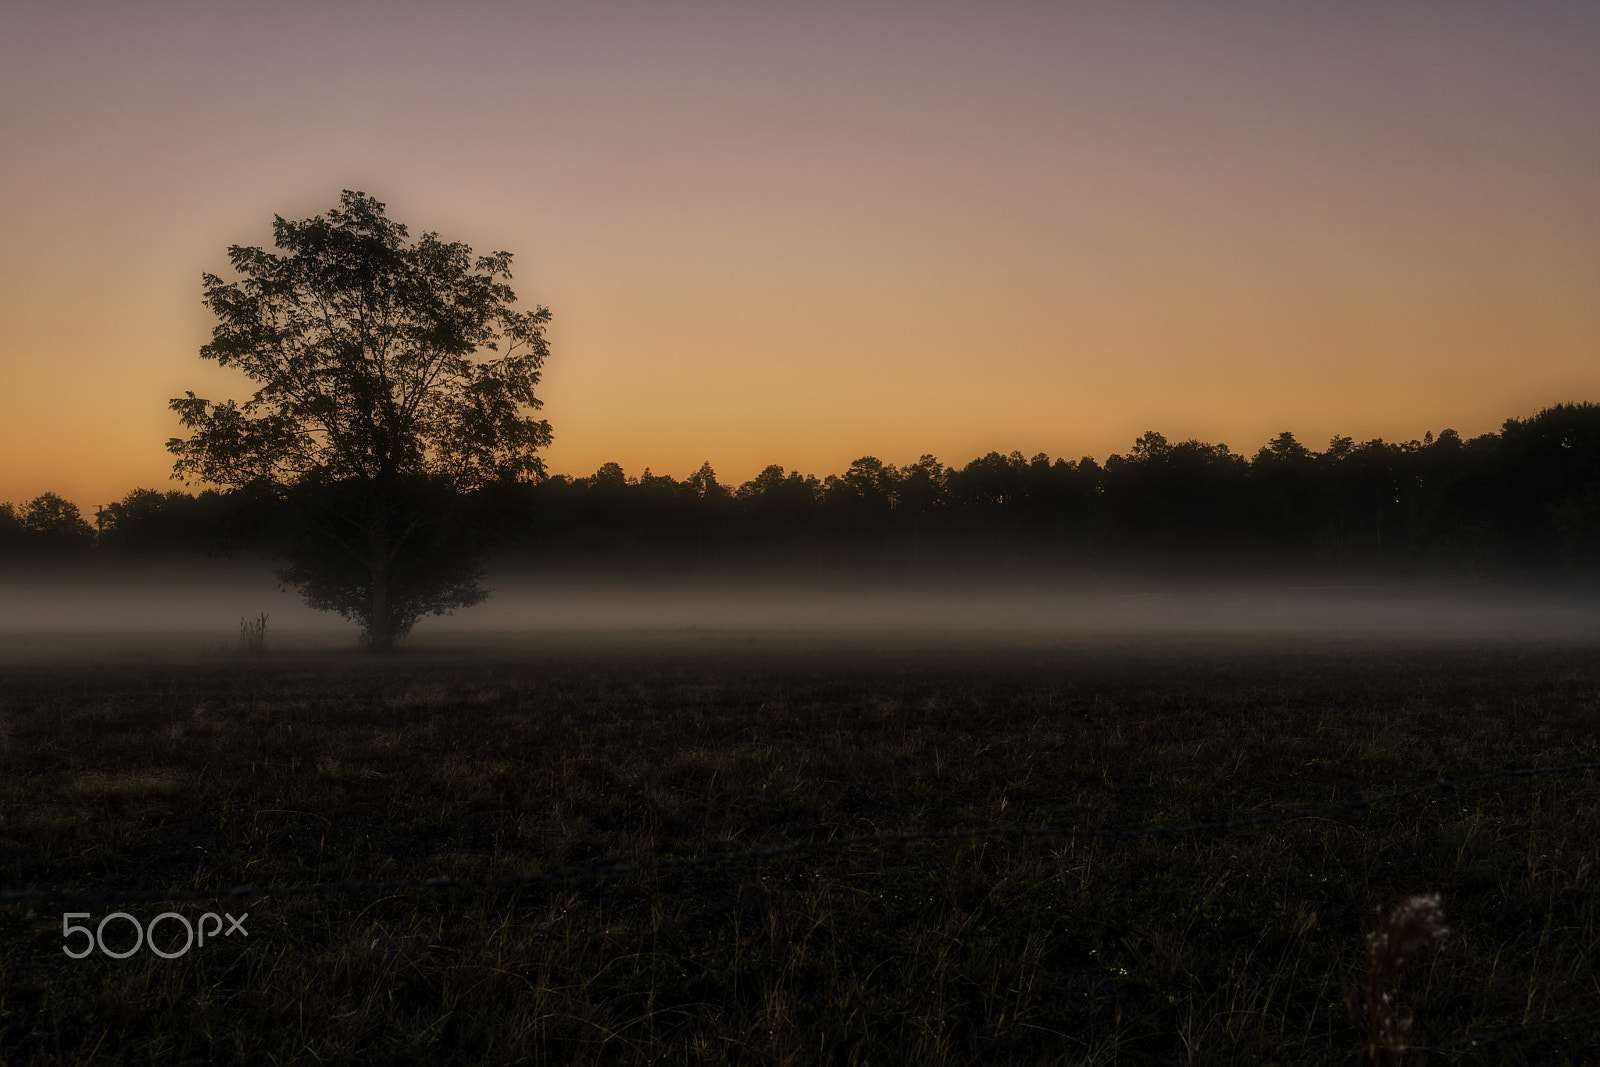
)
(1521, 502)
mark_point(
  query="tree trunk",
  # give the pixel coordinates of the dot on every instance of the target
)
(380, 631)
(380, 622)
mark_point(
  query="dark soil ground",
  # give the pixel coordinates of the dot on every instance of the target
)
(547, 752)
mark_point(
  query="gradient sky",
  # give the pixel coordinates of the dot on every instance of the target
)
(802, 233)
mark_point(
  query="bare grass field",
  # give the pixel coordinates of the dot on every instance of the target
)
(125, 767)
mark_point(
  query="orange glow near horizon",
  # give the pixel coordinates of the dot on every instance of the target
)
(800, 237)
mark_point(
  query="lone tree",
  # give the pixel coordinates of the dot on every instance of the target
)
(373, 417)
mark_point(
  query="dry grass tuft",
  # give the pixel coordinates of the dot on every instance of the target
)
(1415, 923)
(253, 634)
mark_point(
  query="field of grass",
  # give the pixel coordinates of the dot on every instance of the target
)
(221, 770)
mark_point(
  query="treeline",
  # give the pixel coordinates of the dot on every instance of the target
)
(1525, 500)
(143, 521)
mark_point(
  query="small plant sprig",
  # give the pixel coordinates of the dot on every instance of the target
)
(253, 634)
(1413, 924)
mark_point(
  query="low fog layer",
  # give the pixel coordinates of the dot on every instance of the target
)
(209, 597)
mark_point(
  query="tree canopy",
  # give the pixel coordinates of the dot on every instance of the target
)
(363, 346)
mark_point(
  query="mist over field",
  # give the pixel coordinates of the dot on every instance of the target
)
(205, 599)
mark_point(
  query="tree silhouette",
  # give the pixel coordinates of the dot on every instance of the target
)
(1182, 499)
(1282, 479)
(922, 493)
(1544, 485)
(372, 415)
(50, 522)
